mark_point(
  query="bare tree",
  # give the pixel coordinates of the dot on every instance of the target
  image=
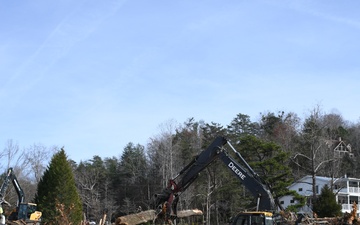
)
(162, 151)
(87, 179)
(313, 151)
(28, 165)
(37, 156)
(110, 206)
(12, 156)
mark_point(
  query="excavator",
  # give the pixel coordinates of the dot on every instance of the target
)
(165, 203)
(24, 213)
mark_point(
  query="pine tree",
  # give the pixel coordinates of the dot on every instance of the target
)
(57, 196)
(269, 161)
(325, 205)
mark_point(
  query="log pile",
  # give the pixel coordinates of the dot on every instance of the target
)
(149, 215)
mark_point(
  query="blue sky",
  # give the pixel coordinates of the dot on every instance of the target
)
(94, 75)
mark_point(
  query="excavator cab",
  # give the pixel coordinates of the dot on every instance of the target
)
(253, 218)
(27, 212)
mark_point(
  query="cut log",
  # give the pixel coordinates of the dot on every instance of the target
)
(187, 213)
(149, 215)
(137, 218)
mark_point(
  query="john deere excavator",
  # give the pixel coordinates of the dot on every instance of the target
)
(24, 213)
(166, 202)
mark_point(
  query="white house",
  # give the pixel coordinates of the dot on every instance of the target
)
(304, 188)
(347, 191)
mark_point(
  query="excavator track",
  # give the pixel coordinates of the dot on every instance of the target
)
(21, 222)
(16, 222)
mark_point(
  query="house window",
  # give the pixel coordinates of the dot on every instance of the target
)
(292, 201)
(353, 199)
(300, 189)
(353, 184)
(281, 202)
(342, 199)
(317, 189)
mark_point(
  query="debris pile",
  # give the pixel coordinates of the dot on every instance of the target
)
(287, 218)
(347, 219)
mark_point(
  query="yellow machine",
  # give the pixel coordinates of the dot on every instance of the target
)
(254, 218)
(25, 212)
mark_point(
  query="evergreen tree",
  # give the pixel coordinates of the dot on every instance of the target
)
(325, 205)
(269, 162)
(133, 171)
(57, 196)
(242, 125)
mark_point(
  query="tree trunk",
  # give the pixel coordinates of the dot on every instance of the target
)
(149, 215)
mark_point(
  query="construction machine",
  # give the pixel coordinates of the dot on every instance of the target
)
(165, 203)
(24, 213)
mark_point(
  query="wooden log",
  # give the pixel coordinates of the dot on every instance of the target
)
(187, 213)
(137, 218)
(149, 215)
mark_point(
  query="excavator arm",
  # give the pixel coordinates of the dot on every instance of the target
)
(10, 176)
(265, 201)
(167, 200)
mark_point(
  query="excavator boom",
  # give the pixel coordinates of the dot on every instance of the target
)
(167, 200)
(10, 176)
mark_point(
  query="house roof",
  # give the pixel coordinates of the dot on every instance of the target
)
(347, 179)
(338, 145)
(308, 178)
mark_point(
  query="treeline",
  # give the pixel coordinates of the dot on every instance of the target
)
(281, 147)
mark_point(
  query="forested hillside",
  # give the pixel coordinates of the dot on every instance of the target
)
(280, 146)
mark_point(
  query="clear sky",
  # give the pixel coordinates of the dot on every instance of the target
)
(94, 75)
